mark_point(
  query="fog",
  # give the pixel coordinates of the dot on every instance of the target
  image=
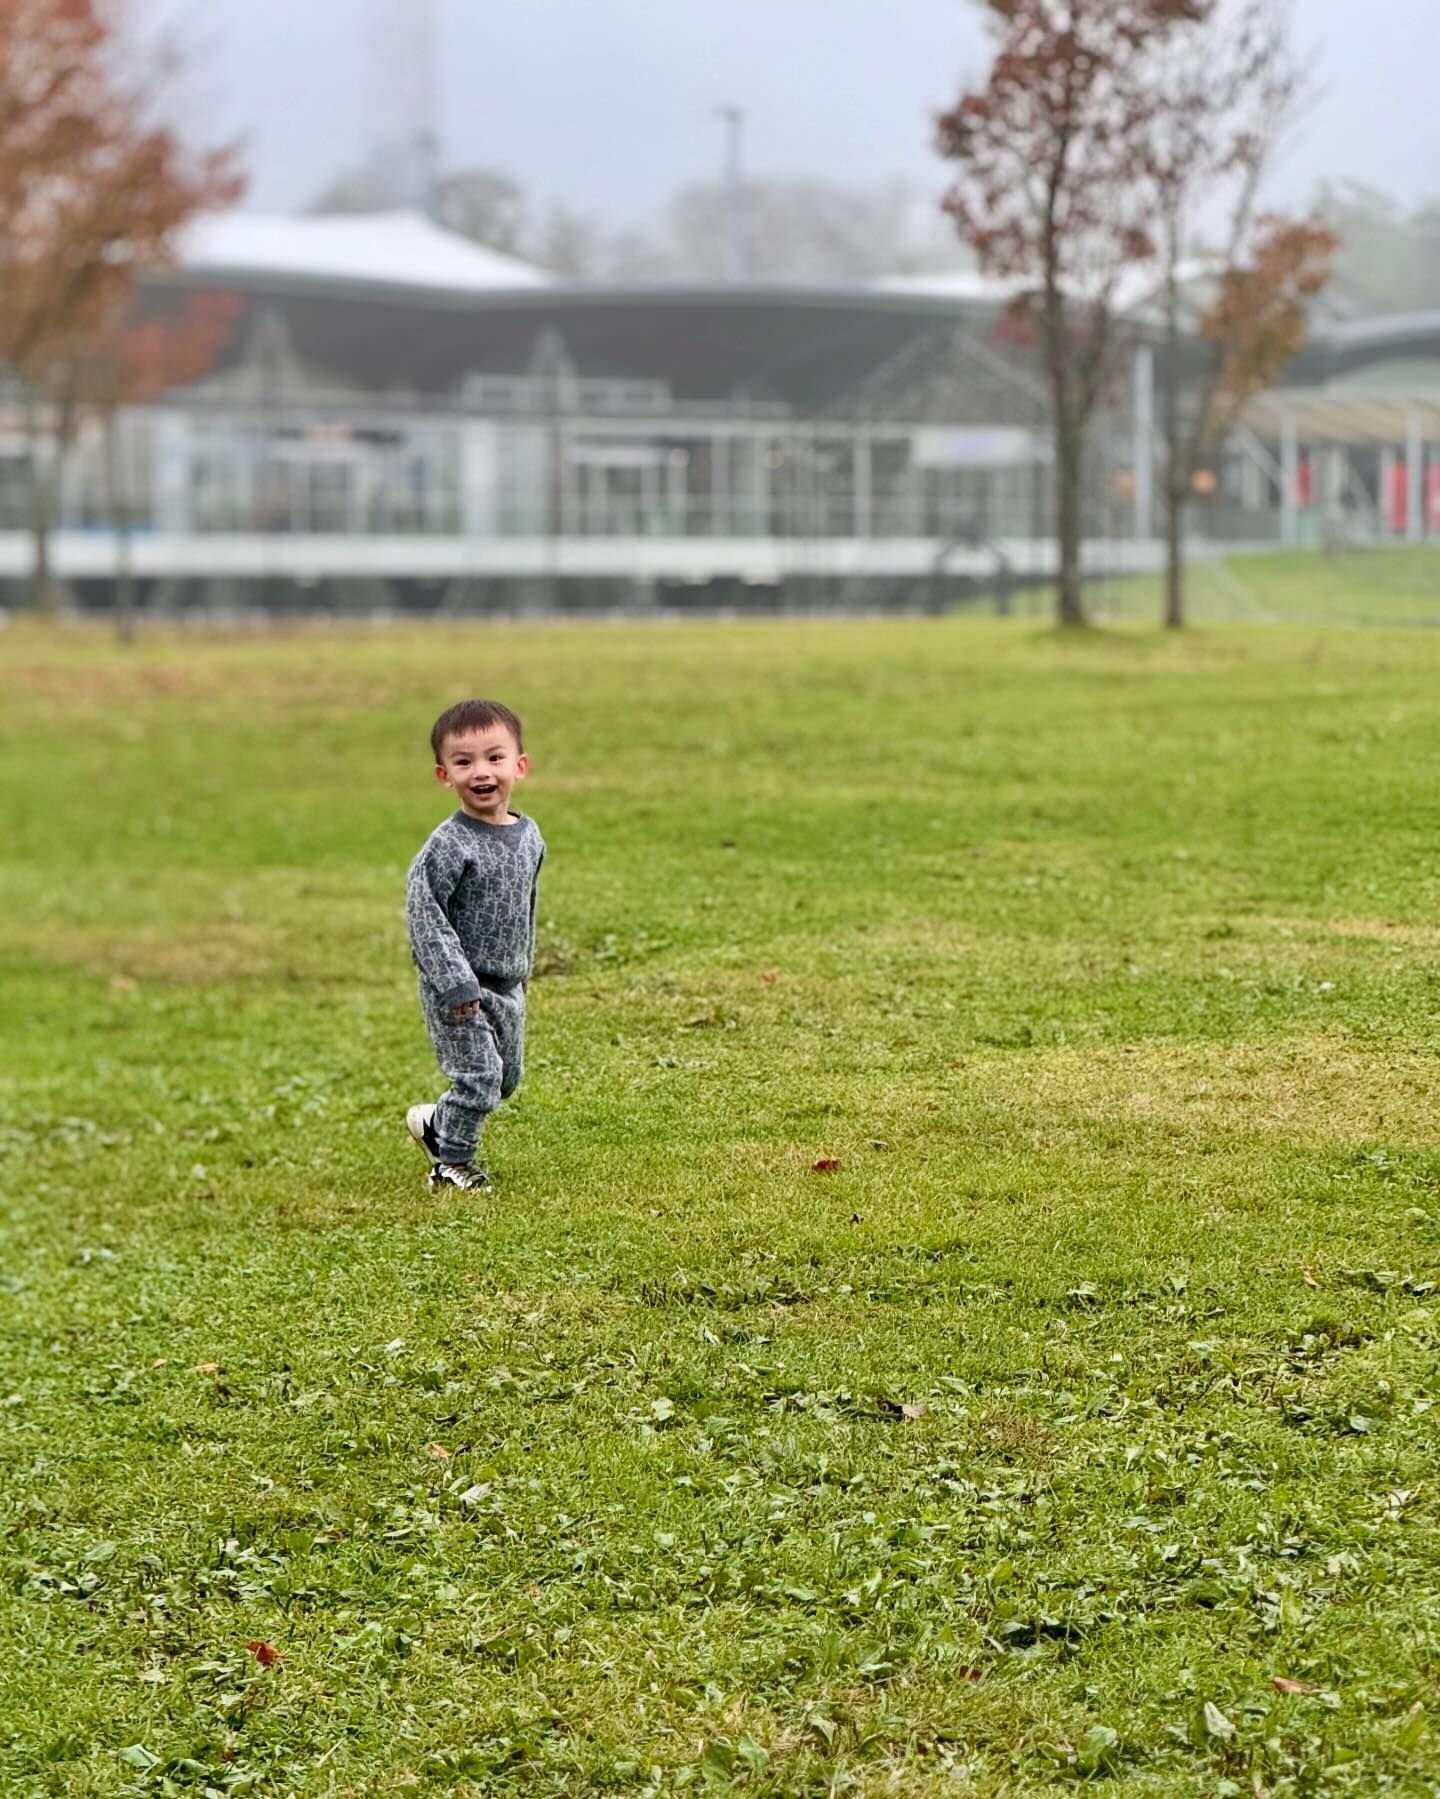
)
(609, 105)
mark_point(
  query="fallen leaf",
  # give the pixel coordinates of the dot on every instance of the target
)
(1215, 1722)
(206, 1368)
(439, 1451)
(915, 1408)
(770, 976)
(876, 1143)
(1309, 1278)
(1282, 1684)
(826, 1165)
(161, 1361)
(265, 1653)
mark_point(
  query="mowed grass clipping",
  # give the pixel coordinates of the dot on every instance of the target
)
(1078, 1426)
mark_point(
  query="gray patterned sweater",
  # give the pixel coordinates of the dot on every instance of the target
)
(470, 906)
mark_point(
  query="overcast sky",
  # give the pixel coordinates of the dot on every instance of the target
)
(609, 105)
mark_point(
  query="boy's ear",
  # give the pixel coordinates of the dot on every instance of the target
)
(522, 766)
(440, 774)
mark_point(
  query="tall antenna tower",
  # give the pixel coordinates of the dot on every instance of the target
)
(404, 102)
(737, 251)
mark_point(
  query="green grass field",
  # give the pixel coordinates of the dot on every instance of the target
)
(1079, 1427)
(1390, 586)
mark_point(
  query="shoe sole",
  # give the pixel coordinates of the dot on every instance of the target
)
(415, 1123)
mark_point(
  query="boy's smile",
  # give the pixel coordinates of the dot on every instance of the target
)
(482, 766)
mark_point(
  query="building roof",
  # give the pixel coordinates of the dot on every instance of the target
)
(1388, 328)
(1138, 293)
(399, 249)
(1346, 413)
(392, 305)
(952, 284)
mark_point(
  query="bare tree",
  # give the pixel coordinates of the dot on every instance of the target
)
(1389, 258)
(797, 229)
(1225, 95)
(485, 205)
(1050, 189)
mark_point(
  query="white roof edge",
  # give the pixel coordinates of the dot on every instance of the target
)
(1380, 326)
(398, 248)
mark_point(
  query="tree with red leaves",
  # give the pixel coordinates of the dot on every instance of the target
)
(92, 194)
(1050, 190)
(133, 359)
(1223, 99)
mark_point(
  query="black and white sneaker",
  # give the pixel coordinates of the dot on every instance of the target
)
(420, 1122)
(467, 1178)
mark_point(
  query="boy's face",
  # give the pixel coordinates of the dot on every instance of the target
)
(482, 767)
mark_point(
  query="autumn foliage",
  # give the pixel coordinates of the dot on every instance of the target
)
(1105, 131)
(1257, 322)
(1223, 98)
(93, 192)
(1048, 155)
(136, 356)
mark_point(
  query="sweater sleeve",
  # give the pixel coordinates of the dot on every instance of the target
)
(534, 897)
(433, 942)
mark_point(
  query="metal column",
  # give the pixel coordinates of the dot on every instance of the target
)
(861, 510)
(1289, 482)
(1387, 487)
(1415, 477)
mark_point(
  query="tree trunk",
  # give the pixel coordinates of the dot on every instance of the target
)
(1070, 597)
(43, 597)
(1177, 471)
(1069, 419)
(118, 495)
(1175, 503)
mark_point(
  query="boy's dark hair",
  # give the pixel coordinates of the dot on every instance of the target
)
(474, 715)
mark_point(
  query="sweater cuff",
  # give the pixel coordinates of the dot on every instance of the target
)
(459, 996)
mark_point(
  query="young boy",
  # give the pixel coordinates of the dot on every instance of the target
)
(470, 908)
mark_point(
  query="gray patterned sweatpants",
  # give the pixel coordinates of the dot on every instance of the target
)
(482, 1058)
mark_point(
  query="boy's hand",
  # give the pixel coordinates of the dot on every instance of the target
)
(470, 1008)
